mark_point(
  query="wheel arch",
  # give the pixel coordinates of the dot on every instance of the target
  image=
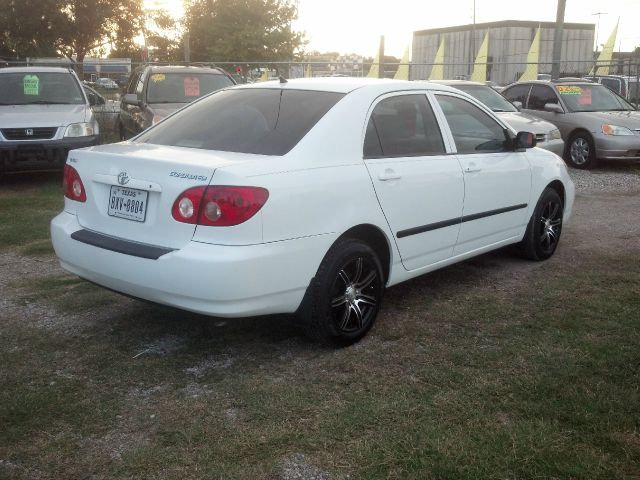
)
(374, 238)
(558, 186)
(573, 133)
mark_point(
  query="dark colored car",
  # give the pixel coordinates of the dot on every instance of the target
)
(595, 123)
(154, 93)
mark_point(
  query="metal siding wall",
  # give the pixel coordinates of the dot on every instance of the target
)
(507, 45)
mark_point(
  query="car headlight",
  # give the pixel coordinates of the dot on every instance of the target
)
(84, 129)
(554, 134)
(615, 130)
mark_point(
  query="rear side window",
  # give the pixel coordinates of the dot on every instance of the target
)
(517, 93)
(403, 126)
(262, 121)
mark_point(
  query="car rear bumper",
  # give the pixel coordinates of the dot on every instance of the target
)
(38, 155)
(218, 280)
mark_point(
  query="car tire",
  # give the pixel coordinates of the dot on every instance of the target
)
(344, 298)
(544, 228)
(581, 151)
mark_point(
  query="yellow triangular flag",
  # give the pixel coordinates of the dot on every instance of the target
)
(480, 67)
(604, 60)
(533, 57)
(375, 67)
(403, 68)
(265, 76)
(437, 71)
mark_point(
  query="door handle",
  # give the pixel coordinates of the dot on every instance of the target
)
(388, 175)
(472, 168)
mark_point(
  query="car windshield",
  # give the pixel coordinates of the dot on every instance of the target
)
(264, 121)
(183, 87)
(489, 97)
(591, 98)
(39, 88)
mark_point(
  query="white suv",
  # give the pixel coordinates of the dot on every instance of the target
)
(44, 113)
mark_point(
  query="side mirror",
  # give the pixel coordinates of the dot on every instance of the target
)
(517, 104)
(93, 100)
(131, 99)
(523, 141)
(553, 107)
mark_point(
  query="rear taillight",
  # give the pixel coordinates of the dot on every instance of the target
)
(72, 185)
(219, 206)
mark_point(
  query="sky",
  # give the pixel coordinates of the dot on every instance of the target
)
(355, 26)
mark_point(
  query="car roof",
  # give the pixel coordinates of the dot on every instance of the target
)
(552, 83)
(35, 69)
(184, 68)
(454, 83)
(347, 84)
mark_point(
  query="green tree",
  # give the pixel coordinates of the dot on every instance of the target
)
(71, 28)
(242, 30)
(28, 27)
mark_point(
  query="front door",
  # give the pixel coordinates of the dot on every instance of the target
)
(497, 178)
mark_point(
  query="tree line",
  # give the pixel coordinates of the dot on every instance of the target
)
(217, 30)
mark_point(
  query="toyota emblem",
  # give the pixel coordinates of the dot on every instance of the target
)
(123, 178)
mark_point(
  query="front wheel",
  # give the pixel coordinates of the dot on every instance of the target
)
(345, 295)
(544, 228)
(581, 152)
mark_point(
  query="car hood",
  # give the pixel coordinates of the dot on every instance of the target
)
(18, 116)
(629, 119)
(523, 122)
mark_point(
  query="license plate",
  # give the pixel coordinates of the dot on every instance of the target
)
(128, 203)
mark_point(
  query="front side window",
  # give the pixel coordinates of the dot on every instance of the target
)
(183, 87)
(540, 96)
(44, 88)
(403, 126)
(518, 93)
(473, 130)
(265, 121)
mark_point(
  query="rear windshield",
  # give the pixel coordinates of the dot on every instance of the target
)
(44, 88)
(591, 98)
(262, 121)
(183, 87)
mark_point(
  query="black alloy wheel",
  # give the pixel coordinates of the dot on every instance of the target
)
(544, 228)
(344, 298)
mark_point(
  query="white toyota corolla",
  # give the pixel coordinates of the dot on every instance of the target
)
(307, 196)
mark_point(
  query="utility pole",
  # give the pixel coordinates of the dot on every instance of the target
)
(472, 53)
(557, 40)
(381, 57)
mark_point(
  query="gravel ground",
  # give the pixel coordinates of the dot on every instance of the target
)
(605, 180)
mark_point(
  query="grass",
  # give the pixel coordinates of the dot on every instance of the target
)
(29, 202)
(456, 381)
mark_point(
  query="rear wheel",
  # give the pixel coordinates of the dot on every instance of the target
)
(345, 295)
(544, 228)
(581, 151)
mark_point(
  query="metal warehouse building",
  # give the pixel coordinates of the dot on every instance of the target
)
(509, 43)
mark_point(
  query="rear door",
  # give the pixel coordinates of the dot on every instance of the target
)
(419, 184)
(497, 179)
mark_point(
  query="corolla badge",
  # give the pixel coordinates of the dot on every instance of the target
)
(123, 178)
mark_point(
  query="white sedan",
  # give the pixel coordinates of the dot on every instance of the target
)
(308, 196)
